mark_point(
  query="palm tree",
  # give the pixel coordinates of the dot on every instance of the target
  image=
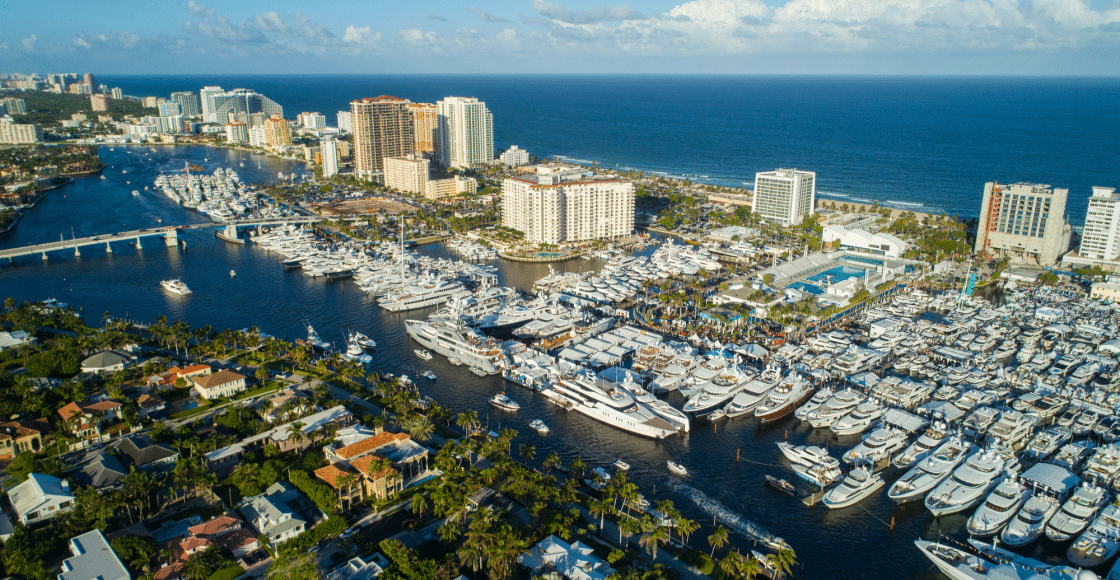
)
(552, 461)
(601, 509)
(295, 432)
(685, 527)
(730, 565)
(717, 539)
(527, 450)
(784, 559)
(421, 428)
(467, 420)
(419, 504)
(749, 567)
(651, 540)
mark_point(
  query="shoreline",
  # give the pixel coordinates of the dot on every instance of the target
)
(869, 208)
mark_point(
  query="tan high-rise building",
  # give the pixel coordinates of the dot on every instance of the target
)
(99, 102)
(382, 127)
(277, 132)
(425, 123)
(408, 173)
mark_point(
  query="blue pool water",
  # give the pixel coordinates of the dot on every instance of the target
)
(806, 287)
(864, 260)
(838, 274)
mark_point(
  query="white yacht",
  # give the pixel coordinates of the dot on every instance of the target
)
(968, 484)
(834, 408)
(818, 399)
(752, 395)
(860, 483)
(717, 391)
(858, 420)
(930, 471)
(464, 344)
(978, 422)
(503, 402)
(1047, 443)
(1078, 511)
(314, 341)
(425, 293)
(1000, 506)
(1085, 422)
(1051, 485)
(804, 454)
(175, 286)
(1100, 542)
(1103, 466)
(879, 445)
(982, 561)
(1011, 430)
(923, 447)
(1072, 455)
(354, 351)
(609, 403)
(822, 474)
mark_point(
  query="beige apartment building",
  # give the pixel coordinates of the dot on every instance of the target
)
(425, 124)
(382, 127)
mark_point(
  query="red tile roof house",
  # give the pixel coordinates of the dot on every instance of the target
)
(168, 379)
(381, 463)
(85, 419)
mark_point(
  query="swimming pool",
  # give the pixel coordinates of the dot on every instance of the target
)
(864, 260)
(837, 273)
(806, 288)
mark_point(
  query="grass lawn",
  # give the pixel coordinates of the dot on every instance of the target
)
(227, 573)
(202, 408)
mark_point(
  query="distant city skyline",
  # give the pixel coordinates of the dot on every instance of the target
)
(981, 37)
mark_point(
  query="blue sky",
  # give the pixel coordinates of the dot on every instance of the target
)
(1043, 37)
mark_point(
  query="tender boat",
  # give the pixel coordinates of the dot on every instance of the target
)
(175, 286)
(676, 468)
(504, 403)
(423, 354)
(860, 483)
(478, 372)
(429, 374)
(454, 361)
(781, 485)
(621, 465)
(539, 426)
(1000, 506)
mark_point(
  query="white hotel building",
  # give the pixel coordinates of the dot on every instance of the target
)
(784, 196)
(1101, 238)
(465, 136)
(552, 208)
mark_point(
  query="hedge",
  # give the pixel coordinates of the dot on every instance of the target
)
(317, 492)
(332, 527)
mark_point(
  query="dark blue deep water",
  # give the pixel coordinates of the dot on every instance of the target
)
(920, 141)
(929, 143)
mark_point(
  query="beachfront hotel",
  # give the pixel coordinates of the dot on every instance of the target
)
(466, 132)
(382, 127)
(553, 207)
(1024, 222)
(784, 196)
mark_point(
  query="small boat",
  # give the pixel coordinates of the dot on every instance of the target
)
(859, 484)
(539, 426)
(124, 171)
(102, 177)
(781, 485)
(676, 468)
(136, 193)
(364, 341)
(232, 273)
(477, 371)
(428, 374)
(177, 286)
(717, 415)
(504, 403)
(454, 361)
(621, 465)
(423, 354)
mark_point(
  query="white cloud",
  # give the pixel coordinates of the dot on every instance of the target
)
(507, 39)
(79, 41)
(361, 35)
(29, 43)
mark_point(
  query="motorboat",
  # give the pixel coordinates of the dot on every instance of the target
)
(837, 406)
(424, 354)
(355, 353)
(539, 426)
(969, 483)
(478, 372)
(621, 465)
(1051, 485)
(429, 374)
(1072, 455)
(784, 399)
(1047, 443)
(314, 341)
(923, 447)
(503, 402)
(676, 468)
(978, 422)
(879, 445)
(931, 471)
(232, 273)
(1100, 542)
(1000, 506)
(364, 341)
(822, 474)
(858, 420)
(803, 454)
(1077, 512)
(599, 478)
(175, 286)
(814, 403)
(860, 483)
(781, 485)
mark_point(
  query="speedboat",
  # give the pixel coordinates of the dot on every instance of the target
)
(503, 402)
(621, 465)
(860, 483)
(232, 273)
(364, 341)
(676, 468)
(1099, 543)
(781, 485)
(858, 420)
(968, 484)
(429, 374)
(175, 286)
(881, 444)
(1000, 506)
(539, 426)
(424, 354)
(930, 472)
(1078, 511)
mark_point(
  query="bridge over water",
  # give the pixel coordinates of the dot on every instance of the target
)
(168, 234)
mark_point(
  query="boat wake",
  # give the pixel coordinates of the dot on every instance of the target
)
(722, 513)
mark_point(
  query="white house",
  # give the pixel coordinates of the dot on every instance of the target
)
(15, 339)
(272, 515)
(93, 557)
(572, 561)
(40, 498)
(105, 361)
(220, 384)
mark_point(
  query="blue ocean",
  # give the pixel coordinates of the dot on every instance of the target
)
(921, 143)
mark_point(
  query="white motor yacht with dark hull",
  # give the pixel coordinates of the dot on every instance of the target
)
(464, 344)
